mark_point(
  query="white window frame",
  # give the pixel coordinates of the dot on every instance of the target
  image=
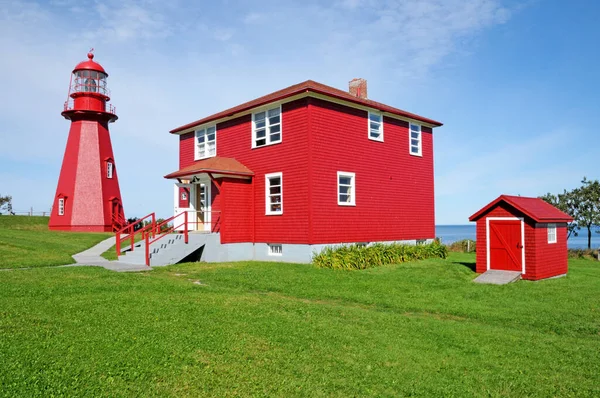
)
(109, 169)
(380, 129)
(204, 132)
(267, 127)
(268, 195)
(61, 206)
(552, 236)
(275, 249)
(410, 138)
(352, 177)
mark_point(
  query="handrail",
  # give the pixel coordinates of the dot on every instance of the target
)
(130, 231)
(162, 234)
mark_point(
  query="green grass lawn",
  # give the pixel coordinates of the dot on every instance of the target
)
(269, 329)
(26, 242)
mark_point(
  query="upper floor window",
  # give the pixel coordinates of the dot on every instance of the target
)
(551, 233)
(109, 169)
(266, 127)
(415, 140)
(206, 142)
(274, 193)
(375, 126)
(346, 189)
(61, 206)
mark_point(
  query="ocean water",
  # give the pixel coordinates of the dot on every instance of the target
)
(452, 233)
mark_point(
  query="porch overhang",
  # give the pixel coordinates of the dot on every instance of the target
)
(216, 167)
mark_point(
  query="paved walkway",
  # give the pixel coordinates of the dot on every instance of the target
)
(93, 257)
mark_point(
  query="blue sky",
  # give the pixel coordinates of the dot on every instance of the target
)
(516, 84)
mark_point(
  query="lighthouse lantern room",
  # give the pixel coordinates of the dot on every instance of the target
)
(87, 196)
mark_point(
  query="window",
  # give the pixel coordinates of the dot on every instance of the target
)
(206, 142)
(275, 250)
(61, 206)
(346, 189)
(273, 194)
(266, 127)
(551, 233)
(375, 126)
(415, 139)
(109, 169)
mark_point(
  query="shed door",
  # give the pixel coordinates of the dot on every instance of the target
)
(506, 245)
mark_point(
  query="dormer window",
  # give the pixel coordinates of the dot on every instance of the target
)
(266, 127)
(109, 169)
(206, 142)
(375, 126)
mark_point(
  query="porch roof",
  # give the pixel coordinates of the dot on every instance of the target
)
(215, 165)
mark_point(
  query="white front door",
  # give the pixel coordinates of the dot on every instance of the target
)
(201, 205)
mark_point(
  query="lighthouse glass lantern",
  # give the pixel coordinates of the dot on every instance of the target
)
(88, 176)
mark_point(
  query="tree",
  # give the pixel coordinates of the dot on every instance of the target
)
(587, 202)
(6, 204)
(583, 204)
(564, 202)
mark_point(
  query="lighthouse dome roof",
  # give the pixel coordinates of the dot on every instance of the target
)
(90, 64)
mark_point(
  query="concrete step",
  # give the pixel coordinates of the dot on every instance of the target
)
(498, 277)
(168, 250)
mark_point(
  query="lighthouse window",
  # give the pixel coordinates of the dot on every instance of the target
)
(90, 85)
(206, 142)
(61, 206)
(109, 170)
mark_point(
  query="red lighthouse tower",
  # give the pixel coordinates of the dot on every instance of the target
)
(88, 196)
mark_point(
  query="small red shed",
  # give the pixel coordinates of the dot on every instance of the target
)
(528, 235)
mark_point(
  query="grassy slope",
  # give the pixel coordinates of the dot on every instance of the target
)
(26, 242)
(293, 330)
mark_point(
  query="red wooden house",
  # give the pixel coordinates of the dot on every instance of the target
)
(308, 166)
(527, 235)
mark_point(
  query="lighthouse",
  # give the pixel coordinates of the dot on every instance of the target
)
(88, 196)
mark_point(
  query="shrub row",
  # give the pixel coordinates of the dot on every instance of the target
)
(351, 257)
(583, 253)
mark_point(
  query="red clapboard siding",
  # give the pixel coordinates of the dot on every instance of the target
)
(394, 190)
(551, 257)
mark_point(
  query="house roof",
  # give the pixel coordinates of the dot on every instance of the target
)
(307, 86)
(214, 165)
(534, 208)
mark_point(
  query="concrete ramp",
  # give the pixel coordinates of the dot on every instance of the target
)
(497, 277)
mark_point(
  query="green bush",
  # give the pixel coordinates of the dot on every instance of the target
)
(463, 246)
(583, 253)
(351, 257)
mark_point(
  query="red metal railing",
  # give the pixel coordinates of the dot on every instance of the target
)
(70, 105)
(130, 231)
(162, 233)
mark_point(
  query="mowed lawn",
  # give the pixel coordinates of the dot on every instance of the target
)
(271, 329)
(26, 242)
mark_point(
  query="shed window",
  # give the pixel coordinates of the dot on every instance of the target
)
(274, 193)
(346, 189)
(375, 126)
(206, 142)
(415, 140)
(61, 206)
(109, 169)
(266, 127)
(551, 233)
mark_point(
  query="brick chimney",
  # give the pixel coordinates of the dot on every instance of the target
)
(358, 88)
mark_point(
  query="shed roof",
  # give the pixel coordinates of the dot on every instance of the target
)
(307, 86)
(214, 165)
(534, 208)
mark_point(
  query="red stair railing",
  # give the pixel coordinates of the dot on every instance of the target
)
(130, 231)
(150, 238)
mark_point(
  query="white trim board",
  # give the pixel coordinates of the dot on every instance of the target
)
(487, 239)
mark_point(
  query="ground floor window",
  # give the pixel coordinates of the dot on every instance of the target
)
(346, 189)
(274, 193)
